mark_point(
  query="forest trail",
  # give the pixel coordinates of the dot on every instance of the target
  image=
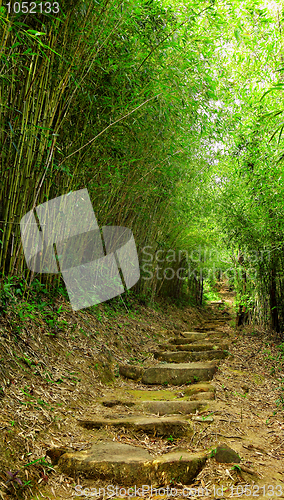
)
(161, 423)
(170, 115)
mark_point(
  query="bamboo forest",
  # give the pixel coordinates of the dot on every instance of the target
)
(142, 249)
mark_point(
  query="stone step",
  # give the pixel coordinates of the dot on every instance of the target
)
(192, 347)
(223, 315)
(203, 396)
(216, 317)
(186, 356)
(170, 374)
(138, 395)
(175, 407)
(200, 388)
(187, 338)
(219, 319)
(134, 397)
(174, 426)
(131, 371)
(190, 335)
(215, 334)
(211, 326)
(110, 403)
(128, 465)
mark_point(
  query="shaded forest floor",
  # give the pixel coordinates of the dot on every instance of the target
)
(51, 376)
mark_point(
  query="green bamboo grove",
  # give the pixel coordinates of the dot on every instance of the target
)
(170, 114)
(96, 97)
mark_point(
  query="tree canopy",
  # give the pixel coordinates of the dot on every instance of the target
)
(171, 114)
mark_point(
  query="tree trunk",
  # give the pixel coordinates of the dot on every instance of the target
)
(273, 302)
(242, 314)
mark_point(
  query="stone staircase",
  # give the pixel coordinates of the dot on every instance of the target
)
(191, 347)
(184, 365)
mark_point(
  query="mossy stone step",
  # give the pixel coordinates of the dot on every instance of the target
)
(179, 374)
(174, 426)
(199, 388)
(187, 338)
(174, 407)
(191, 336)
(186, 356)
(129, 465)
(216, 317)
(208, 396)
(192, 347)
(110, 403)
(170, 374)
(215, 334)
(131, 371)
(211, 326)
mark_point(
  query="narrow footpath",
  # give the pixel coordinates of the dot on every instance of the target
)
(187, 360)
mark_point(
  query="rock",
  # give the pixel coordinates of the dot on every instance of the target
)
(179, 374)
(181, 340)
(225, 455)
(186, 356)
(216, 336)
(189, 336)
(212, 326)
(156, 426)
(192, 347)
(131, 371)
(170, 374)
(109, 403)
(199, 388)
(172, 407)
(203, 419)
(131, 465)
(208, 396)
(167, 347)
(55, 453)
(201, 347)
